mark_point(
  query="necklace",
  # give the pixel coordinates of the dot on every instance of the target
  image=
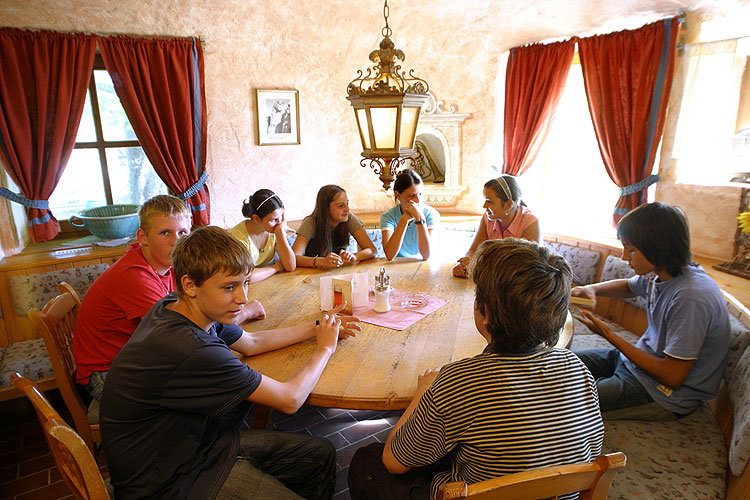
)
(259, 240)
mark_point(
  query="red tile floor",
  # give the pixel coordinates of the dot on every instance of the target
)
(28, 472)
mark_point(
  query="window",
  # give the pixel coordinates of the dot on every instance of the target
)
(107, 164)
(706, 145)
(567, 186)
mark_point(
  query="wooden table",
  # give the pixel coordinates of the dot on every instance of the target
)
(378, 368)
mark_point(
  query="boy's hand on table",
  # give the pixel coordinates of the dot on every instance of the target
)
(253, 310)
(327, 332)
(349, 324)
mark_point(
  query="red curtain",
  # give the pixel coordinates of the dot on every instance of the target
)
(628, 76)
(43, 81)
(161, 86)
(534, 81)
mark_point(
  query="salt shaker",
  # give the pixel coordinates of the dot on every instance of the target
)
(382, 292)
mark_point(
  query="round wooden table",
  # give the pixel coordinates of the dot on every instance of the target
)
(378, 368)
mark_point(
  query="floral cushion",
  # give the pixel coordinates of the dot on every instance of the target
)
(376, 236)
(739, 340)
(28, 357)
(583, 262)
(614, 269)
(35, 290)
(739, 394)
(682, 459)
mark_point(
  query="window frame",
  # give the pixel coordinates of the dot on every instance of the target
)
(100, 144)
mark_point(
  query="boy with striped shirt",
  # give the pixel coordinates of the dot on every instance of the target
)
(520, 404)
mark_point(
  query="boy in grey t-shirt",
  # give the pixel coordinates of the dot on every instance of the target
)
(680, 359)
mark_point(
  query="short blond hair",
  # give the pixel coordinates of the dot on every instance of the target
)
(163, 204)
(207, 251)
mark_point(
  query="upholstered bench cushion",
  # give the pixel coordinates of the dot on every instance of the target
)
(739, 341)
(739, 394)
(614, 269)
(583, 262)
(683, 459)
(35, 290)
(28, 358)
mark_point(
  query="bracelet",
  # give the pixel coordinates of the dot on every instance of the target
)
(314, 259)
(419, 222)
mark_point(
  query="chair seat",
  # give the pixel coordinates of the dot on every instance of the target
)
(682, 459)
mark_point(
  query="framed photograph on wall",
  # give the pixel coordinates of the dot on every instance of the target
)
(278, 117)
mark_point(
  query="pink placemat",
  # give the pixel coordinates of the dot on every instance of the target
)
(397, 318)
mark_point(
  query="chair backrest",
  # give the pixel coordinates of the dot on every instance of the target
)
(74, 459)
(55, 323)
(592, 480)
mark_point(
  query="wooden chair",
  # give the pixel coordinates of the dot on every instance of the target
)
(71, 454)
(591, 479)
(55, 323)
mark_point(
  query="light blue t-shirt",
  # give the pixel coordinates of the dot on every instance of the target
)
(410, 244)
(687, 319)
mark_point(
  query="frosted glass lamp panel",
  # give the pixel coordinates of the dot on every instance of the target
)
(384, 127)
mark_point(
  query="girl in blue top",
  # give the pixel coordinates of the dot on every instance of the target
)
(407, 227)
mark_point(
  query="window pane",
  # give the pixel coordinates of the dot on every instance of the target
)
(80, 186)
(115, 125)
(86, 130)
(131, 176)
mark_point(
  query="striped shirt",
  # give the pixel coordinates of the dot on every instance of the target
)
(497, 414)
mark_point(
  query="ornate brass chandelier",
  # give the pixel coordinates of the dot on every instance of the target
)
(386, 106)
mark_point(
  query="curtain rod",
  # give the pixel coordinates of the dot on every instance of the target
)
(201, 38)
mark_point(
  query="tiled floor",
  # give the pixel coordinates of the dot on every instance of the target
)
(28, 472)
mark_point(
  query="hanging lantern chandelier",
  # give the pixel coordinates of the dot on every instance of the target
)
(386, 104)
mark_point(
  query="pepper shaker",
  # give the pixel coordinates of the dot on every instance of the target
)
(382, 292)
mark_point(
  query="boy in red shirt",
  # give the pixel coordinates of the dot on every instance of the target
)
(114, 305)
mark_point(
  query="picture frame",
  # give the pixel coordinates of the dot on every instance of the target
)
(278, 117)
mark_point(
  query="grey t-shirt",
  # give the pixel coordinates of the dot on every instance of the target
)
(687, 319)
(307, 229)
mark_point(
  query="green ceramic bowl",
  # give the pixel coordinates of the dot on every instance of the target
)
(109, 222)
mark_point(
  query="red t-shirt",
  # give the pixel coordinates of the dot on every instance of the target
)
(112, 308)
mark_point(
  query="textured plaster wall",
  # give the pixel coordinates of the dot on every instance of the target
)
(316, 47)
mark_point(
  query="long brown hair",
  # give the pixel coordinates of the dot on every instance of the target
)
(325, 234)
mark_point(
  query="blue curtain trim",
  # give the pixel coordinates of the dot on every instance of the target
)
(194, 188)
(22, 200)
(658, 94)
(639, 186)
(197, 208)
(621, 211)
(38, 221)
(198, 112)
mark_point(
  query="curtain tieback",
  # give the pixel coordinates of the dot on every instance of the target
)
(194, 188)
(22, 200)
(640, 185)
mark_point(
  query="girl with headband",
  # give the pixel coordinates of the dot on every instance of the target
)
(263, 232)
(505, 216)
(407, 227)
(323, 236)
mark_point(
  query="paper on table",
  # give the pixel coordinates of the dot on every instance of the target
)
(397, 318)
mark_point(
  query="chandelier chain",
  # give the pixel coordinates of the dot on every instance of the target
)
(386, 31)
